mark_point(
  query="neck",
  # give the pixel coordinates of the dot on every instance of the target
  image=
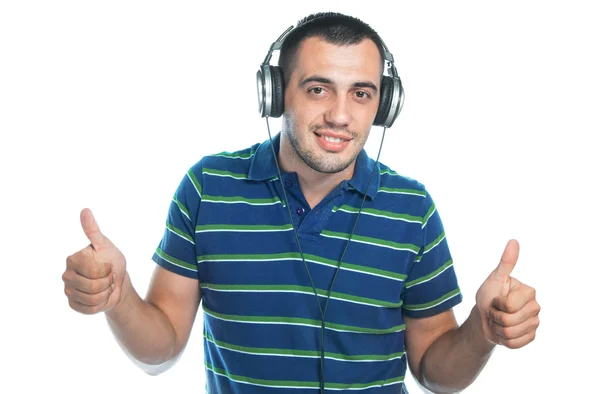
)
(315, 185)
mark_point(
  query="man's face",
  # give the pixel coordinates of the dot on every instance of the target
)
(331, 100)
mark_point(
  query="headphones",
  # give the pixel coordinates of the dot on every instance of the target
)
(270, 88)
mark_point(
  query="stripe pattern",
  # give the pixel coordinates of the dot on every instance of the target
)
(229, 228)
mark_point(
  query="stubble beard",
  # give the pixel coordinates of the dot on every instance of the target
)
(324, 165)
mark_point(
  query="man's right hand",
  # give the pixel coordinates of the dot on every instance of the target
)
(95, 275)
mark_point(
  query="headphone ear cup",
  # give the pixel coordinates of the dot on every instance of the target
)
(261, 91)
(385, 100)
(278, 91)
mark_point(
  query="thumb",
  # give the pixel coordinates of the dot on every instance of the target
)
(508, 259)
(91, 229)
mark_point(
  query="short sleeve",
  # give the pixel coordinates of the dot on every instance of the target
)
(177, 249)
(431, 286)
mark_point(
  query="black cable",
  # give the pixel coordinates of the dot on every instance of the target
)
(321, 310)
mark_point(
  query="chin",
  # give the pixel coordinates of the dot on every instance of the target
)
(326, 164)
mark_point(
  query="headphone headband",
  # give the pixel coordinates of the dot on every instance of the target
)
(277, 44)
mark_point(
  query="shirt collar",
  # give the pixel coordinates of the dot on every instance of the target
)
(262, 167)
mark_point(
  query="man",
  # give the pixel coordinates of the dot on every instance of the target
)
(298, 294)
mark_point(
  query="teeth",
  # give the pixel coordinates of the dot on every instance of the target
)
(332, 139)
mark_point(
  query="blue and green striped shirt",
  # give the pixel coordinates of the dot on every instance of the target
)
(228, 226)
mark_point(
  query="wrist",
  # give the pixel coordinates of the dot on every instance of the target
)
(124, 296)
(477, 328)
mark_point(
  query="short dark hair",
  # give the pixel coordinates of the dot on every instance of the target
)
(334, 28)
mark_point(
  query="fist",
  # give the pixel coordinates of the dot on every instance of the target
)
(508, 309)
(95, 275)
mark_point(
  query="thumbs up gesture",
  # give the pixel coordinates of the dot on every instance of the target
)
(94, 275)
(507, 308)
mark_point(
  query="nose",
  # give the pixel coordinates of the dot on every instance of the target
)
(339, 113)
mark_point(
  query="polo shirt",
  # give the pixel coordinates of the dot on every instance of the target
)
(228, 227)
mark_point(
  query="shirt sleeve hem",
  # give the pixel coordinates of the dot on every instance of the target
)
(435, 310)
(174, 268)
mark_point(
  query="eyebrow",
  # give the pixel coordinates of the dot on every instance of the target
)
(361, 84)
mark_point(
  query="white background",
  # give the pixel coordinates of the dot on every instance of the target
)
(106, 104)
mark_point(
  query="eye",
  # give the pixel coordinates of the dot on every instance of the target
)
(316, 90)
(362, 94)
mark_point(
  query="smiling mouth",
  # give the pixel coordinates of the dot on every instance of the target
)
(335, 140)
(332, 144)
(331, 139)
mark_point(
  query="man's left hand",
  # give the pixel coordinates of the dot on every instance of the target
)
(508, 308)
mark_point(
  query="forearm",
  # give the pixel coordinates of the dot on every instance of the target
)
(142, 330)
(456, 358)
